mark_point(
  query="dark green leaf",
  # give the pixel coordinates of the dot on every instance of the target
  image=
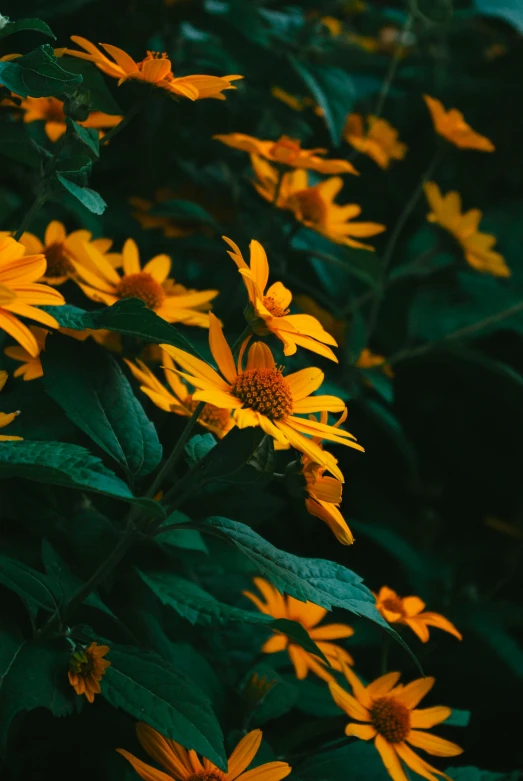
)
(150, 690)
(16, 143)
(186, 539)
(23, 25)
(94, 393)
(198, 447)
(475, 774)
(37, 74)
(458, 718)
(331, 765)
(33, 586)
(87, 135)
(299, 635)
(89, 198)
(94, 84)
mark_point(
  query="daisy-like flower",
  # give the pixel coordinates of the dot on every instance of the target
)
(314, 206)
(287, 151)
(452, 126)
(309, 616)
(268, 310)
(31, 368)
(411, 612)
(260, 395)
(87, 668)
(154, 69)
(7, 417)
(19, 295)
(389, 715)
(171, 301)
(182, 765)
(379, 141)
(325, 492)
(477, 246)
(62, 249)
(51, 111)
(370, 360)
(178, 398)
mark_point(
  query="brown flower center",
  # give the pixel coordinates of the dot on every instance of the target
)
(394, 604)
(58, 264)
(274, 308)
(309, 206)
(82, 663)
(265, 391)
(285, 150)
(142, 286)
(391, 718)
(210, 415)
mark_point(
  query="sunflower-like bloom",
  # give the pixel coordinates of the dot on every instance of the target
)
(389, 717)
(325, 492)
(154, 69)
(314, 206)
(370, 360)
(87, 668)
(452, 126)
(287, 151)
(62, 249)
(51, 111)
(6, 417)
(183, 765)
(260, 395)
(379, 141)
(179, 399)
(268, 311)
(19, 295)
(171, 301)
(477, 246)
(31, 368)
(309, 616)
(411, 612)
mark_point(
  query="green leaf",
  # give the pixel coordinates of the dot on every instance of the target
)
(183, 210)
(37, 74)
(36, 677)
(229, 456)
(508, 10)
(90, 387)
(364, 761)
(458, 718)
(16, 143)
(475, 774)
(186, 539)
(33, 586)
(150, 690)
(23, 25)
(87, 135)
(299, 635)
(87, 197)
(95, 84)
(333, 91)
(198, 447)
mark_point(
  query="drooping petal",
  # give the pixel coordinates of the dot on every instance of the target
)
(145, 771)
(390, 758)
(20, 332)
(439, 621)
(162, 751)
(417, 764)
(299, 659)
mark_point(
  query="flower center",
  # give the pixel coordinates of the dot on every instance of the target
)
(210, 415)
(58, 264)
(273, 307)
(82, 663)
(309, 205)
(142, 286)
(265, 391)
(285, 150)
(391, 718)
(394, 604)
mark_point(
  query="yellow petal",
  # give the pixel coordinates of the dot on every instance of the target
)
(362, 731)
(348, 703)
(260, 357)
(304, 382)
(429, 717)
(145, 771)
(220, 350)
(271, 771)
(131, 258)
(411, 694)
(243, 754)
(390, 758)
(162, 750)
(433, 744)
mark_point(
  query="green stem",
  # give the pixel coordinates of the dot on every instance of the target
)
(38, 202)
(123, 122)
(393, 67)
(240, 340)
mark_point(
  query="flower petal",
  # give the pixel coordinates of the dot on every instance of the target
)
(429, 717)
(362, 731)
(271, 771)
(220, 350)
(243, 754)
(304, 382)
(171, 756)
(433, 744)
(390, 758)
(145, 771)
(348, 703)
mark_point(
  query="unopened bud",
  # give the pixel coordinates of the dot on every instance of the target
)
(256, 689)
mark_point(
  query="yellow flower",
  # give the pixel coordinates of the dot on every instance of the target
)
(452, 126)
(61, 250)
(171, 301)
(87, 668)
(287, 151)
(51, 110)
(179, 399)
(477, 246)
(269, 308)
(19, 295)
(183, 765)
(409, 611)
(7, 417)
(309, 616)
(314, 206)
(370, 360)
(379, 141)
(31, 368)
(324, 492)
(260, 395)
(389, 717)
(154, 69)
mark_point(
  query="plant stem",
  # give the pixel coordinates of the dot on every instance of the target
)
(240, 340)
(393, 67)
(123, 122)
(38, 202)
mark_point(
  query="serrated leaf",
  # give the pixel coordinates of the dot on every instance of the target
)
(33, 586)
(37, 74)
(151, 690)
(90, 387)
(87, 197)
(26, 25)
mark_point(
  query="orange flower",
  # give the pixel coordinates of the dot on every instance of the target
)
(389, 717)
(87, 668)
(287, 151)
(409, 611)
(31, 368)
(379, 141)
(309, 616)
(268, 310)
(370, 360)
(51, 110)
(154, 69)
(7, 417)
(183, 765)
(452, 126)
